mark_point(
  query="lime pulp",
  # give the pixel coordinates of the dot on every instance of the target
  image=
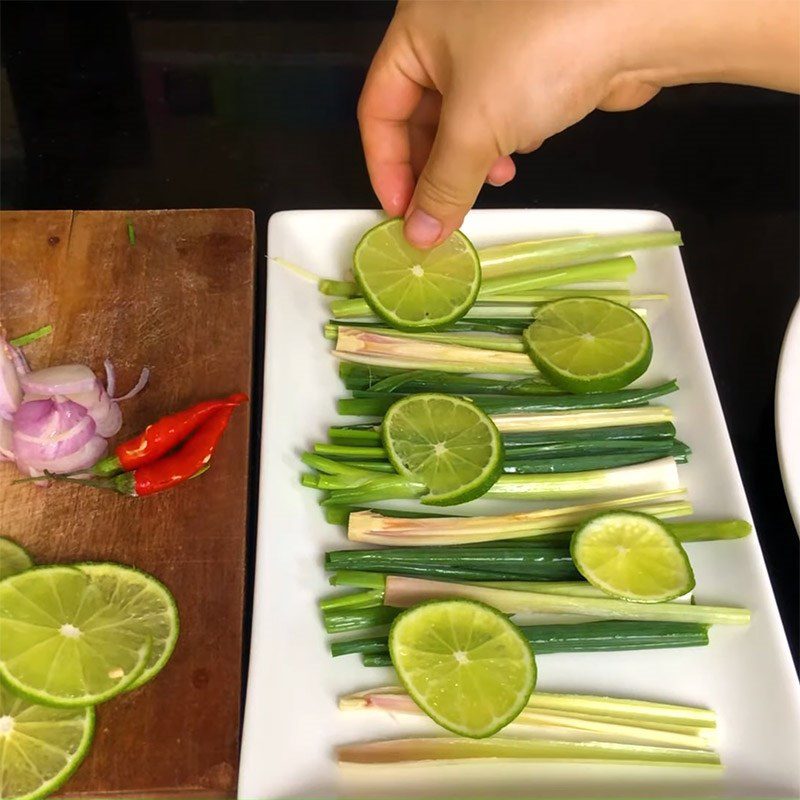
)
(446, 443)
(466, 665)
(415, 289)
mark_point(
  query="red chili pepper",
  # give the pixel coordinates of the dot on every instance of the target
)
(181, 465)
(159, 438)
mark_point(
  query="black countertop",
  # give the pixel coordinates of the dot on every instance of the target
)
(183, 104)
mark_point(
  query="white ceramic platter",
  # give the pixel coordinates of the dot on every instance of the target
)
(292, 724)
(787, 414)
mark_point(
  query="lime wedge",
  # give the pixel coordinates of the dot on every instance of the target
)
(40, 747)
(588, 344)
(416, 289)
(632, 556)
(150, 604)
(445, 442)
(467, 666)
(62, 643)
(13, 559)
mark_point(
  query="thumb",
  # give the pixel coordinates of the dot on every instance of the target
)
(462, 154)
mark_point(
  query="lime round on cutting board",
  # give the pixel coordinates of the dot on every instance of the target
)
(415, 289)
(148, 602)
(445, 442)
(40, 746)
(589, 344)
(63, 643)
(13, 559)
(466, 665)
(632, 556)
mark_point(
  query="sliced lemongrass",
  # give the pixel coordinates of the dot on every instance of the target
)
(505, 259)
(402, 592)
(612, 269)
(376, 528)
(365, 347)
(582, 419)
(441, 749)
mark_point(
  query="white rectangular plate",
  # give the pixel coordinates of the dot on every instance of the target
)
(292, 724)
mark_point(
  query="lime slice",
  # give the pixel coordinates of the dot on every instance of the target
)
(446, 443)
(62, 643)
(467, 666)
(588, 344)
(148, 601)
(632, 556)
(13, 559)
(40, 747)
(416, 289)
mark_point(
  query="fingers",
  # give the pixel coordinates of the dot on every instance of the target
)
(388, 100)
(461, 157)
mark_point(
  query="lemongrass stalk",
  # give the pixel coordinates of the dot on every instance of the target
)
(508, 259)
(365, 347)
(612, 269)
(504, 342)
(338, 288)
(441, 749)
(402, 592)
(376, 528)
(535, 299)
(641, 710)
(394, 700)
(582, 419)
(651, 476)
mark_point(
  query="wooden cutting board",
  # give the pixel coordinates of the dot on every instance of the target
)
(180, 301)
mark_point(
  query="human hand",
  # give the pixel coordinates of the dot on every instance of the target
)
(457, 87)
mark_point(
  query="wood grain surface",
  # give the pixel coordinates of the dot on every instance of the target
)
(180, 301)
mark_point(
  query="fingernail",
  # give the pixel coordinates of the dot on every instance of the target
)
(421, 229)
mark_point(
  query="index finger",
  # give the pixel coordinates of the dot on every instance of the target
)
(387, 102)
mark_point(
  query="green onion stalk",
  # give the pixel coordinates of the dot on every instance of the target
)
(356, 486)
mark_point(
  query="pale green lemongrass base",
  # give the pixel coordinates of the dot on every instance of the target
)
(443, 750)
(365, 347)
(513, 258)
(617, 719)
(403, 592)
(377, 528)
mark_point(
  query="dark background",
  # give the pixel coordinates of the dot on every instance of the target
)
(252, 104)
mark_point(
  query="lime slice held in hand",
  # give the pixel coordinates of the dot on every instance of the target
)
(40, 746)
(445, 442)
(13, 559)
(148, 602)
(466, 665)
(589, 344)
(632, 556)
(62, 642)
(415, 289)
